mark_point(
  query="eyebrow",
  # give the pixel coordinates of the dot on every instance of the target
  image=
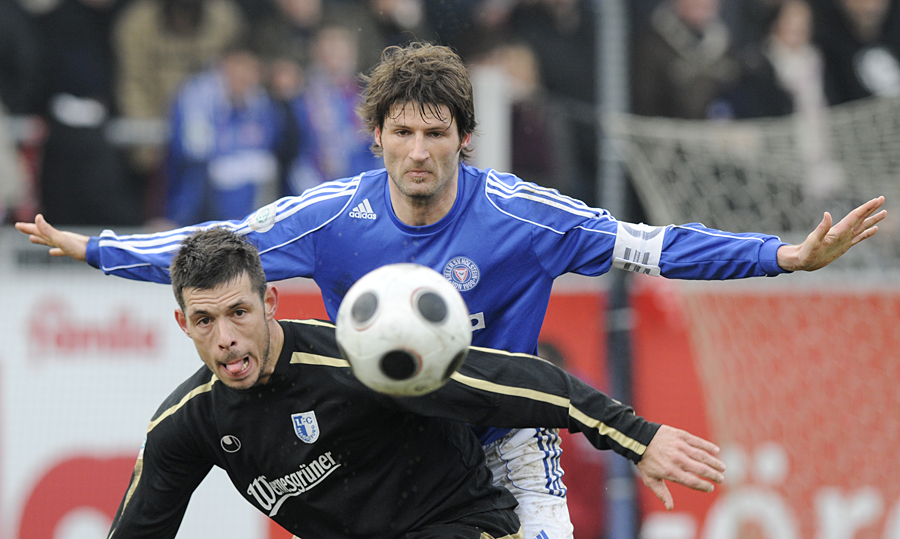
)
(231, 307)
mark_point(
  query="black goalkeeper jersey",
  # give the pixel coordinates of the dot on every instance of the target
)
(327, 458)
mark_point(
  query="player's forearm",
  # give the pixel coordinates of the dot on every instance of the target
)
(130, 258)
(518, 390)
(696, 252)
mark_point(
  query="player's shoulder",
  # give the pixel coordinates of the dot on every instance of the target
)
(308, 332)
(545, 207)
(192, 393)
(314, 339)
(313, 208)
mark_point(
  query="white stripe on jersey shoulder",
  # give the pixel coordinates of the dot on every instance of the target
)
(199, 390)
(170, 241)
(109, 269)
(537, 193)
(310, 322)
(543, 195)
(717, 233)
(305, 358)
(160, 242)
(314, 195)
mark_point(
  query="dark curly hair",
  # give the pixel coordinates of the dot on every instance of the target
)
(421, 73)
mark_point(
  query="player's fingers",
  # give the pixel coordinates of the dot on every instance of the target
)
(34, 238)
(702, 465)
(43, 227)
(872, 206)
(865, 234)
(862, 213)
(26, 228)
(658, 487)
(869, 207)
(875, 219)
(706, 465)
(825, 225)
(699, 443)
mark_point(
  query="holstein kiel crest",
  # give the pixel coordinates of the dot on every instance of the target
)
(306, 427)
(462, 273)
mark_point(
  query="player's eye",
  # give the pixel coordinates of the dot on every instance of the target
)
(240, 312)
(203, 321)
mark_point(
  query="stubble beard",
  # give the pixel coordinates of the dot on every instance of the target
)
(265, 362)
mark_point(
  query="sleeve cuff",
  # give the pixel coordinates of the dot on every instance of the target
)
(768, 257)
(92, 254)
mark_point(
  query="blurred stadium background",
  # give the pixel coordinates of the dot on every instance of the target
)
(795, 377)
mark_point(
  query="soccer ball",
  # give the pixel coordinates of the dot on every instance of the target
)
(404, 329)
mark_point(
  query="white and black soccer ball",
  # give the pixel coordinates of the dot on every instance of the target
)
(404, 329)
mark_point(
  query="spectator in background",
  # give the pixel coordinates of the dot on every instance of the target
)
(82, 177)
(160, 43)
(538, 137)
(19, 87)
(389, 22)
(682, 61)
(860, 40)
(225, 144)
(19, 64)
(783, 75)
(12, 176)
(287, 34)
(781, 72)
(561, 34)
(285, 39)
(333, 140)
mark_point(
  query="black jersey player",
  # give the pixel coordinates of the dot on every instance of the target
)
(308, 445)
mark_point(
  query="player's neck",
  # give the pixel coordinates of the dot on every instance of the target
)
(423, 211)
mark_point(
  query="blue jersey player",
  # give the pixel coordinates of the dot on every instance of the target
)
(501, 241)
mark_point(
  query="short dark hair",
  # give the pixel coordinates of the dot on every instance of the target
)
(212, 257)
(423, 74)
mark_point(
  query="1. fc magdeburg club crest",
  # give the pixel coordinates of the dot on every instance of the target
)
(462, 273)
(305, 426)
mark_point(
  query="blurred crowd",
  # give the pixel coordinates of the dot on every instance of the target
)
(257, 97)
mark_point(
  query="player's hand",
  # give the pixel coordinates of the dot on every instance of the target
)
(827, 243)
(61, 243)
(679, 456)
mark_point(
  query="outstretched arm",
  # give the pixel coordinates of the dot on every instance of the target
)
(502, 389)
(61, 243)
(827, 243)
(676, 455)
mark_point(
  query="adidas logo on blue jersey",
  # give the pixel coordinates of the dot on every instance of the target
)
(363, 211)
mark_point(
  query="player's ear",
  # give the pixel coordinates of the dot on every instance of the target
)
(270, 299)
(377, 135)
(182, 321)
(466, 140)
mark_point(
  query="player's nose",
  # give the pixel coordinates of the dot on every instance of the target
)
(225, 336)
(418, 152)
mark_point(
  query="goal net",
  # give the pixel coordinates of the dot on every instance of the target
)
(801, 374)
(800, 386)
(776, 176)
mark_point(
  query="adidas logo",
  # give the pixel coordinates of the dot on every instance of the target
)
(363, 211)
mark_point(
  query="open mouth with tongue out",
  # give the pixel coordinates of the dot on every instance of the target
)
(238, 368)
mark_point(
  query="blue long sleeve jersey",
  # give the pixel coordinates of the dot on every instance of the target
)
(501, 245)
